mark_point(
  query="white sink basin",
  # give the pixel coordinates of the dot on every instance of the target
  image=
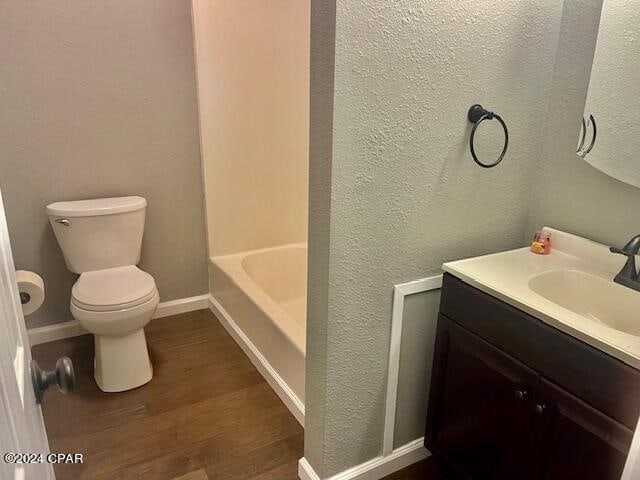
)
(571, 289)
(592, 297)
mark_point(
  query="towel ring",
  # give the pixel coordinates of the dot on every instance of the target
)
(477, 114)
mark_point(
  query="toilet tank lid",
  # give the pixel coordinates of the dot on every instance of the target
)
(98, 206)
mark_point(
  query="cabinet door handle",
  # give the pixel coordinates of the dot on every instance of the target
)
(540, 408)
(592, 121)
(521, 395)
(583, 132)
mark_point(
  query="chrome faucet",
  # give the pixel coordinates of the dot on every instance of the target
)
(628, 276)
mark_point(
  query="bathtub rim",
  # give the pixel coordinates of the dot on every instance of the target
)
(231, 266)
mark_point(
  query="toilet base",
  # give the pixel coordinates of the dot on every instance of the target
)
(122, 363)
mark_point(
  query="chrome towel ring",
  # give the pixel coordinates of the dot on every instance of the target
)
(477, 114)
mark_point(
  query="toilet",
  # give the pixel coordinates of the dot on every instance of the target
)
(113, 299)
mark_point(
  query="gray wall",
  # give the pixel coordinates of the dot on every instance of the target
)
(98, 99)
(405, 195)
(322, 62)
(570, 194)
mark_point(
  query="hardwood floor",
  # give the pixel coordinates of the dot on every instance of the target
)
(206, 415)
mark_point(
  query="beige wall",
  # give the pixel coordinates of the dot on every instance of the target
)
(253, 87)
(404, 194)
(99, 99)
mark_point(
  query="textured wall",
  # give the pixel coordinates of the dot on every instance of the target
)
(570, 194)
(405, 196)
(322, 63)
(253, 88)
(98, 99)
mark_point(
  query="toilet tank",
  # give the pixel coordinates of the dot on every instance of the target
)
(98, 234)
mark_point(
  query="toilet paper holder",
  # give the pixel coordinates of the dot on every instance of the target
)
(31, 290)
(24, 298)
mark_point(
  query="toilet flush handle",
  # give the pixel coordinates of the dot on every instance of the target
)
(64, 221)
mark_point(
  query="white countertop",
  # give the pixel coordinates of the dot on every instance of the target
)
(506, 276)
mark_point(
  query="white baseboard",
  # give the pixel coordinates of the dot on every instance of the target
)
(391, 459)
(182, 305)
(375, 468)
(71, 328)
(288, 397)
(58, 331)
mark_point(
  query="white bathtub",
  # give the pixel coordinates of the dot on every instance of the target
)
(264, 292)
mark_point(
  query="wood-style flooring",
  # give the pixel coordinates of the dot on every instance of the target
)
(206, 415)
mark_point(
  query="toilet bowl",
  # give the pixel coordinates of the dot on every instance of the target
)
(115, 305)
(113, 299)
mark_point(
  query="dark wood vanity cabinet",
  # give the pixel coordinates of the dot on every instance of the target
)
(478, 412)
(570, 439)
(512, 397)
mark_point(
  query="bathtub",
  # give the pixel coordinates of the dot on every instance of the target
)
(263, 294)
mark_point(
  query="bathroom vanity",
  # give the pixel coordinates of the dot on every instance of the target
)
(533, 383)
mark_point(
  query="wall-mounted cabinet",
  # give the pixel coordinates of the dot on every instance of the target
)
(512, 397)
(609, 138)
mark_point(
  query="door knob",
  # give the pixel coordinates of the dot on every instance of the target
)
(63, 376)
(540, 408)
(521, 394)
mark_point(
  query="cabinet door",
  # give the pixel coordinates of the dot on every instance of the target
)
(571, 440)
(480, 406)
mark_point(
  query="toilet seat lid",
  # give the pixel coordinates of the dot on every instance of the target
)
(113, 288)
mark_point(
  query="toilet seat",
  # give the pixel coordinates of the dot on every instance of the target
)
(113, 289)
(116, 323)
